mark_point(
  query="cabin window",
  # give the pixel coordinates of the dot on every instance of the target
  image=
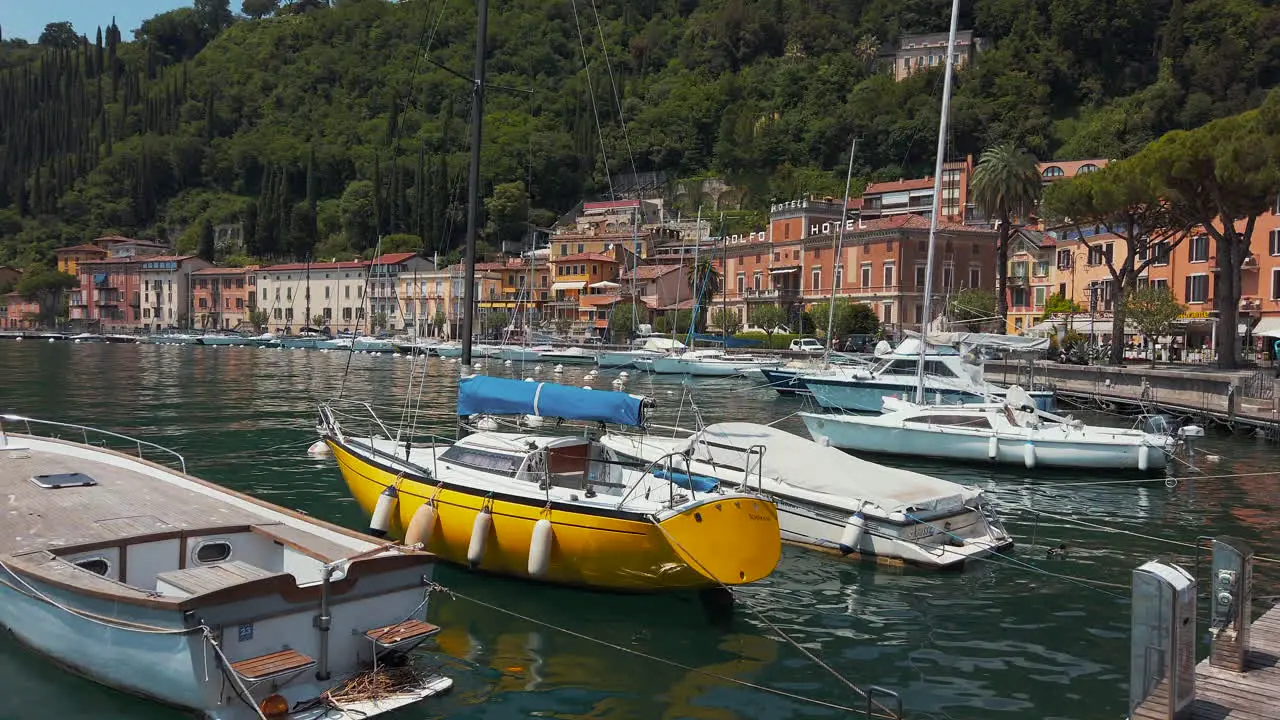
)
(972, 421)
(96, 565)
(476, 459)
(212, 551)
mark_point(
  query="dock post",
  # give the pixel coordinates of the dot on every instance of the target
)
(1162, 657)
(1231, 615)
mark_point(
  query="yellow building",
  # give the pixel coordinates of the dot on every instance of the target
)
(1032, 278)
(69, 258)
(574, 276)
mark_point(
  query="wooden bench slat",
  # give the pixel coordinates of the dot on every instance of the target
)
(401, 632)
(277, 663)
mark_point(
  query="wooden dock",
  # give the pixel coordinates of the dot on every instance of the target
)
(1225, 695)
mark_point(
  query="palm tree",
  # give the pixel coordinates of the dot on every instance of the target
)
(705, 281)
(1006, 187)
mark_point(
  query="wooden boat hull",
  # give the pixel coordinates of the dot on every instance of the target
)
(723, 540)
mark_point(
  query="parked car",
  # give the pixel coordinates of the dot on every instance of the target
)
(808, 345)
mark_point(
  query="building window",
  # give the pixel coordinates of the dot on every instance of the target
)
(1064, 259)
(1275, 243)
(1019, 297)
(1042, 268)
(1087, 168)
(1160, 253)
(1197, 288)
(1099, 254)
(919, 313)
(948, 275)
(866, 275)
(888, 275)
(264, 294)
(580, 249)
(975, 276)
(1275, 284)
(887, 309)
(278, 314)
(755, 281)
(742, 282)
(1040, 297)
(817, 279)
(919, 275)
(839, 276)
(1053, 171)
(1200, 249)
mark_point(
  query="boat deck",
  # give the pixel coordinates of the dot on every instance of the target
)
(130, 500)
(1225, 695)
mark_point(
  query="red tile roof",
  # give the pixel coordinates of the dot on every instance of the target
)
(225, 270)
(345, 265)
(610, 204)
(588, 257)
(898, 186)
(915, 222)
(649, 272)
(682, 305)
(163, 258)
(393, 258)
(80, 248)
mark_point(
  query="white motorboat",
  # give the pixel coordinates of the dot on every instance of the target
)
(363, 343)
(828, 500)
(87, 338)
(174, 339)
(948, 379)
(709, 363)
(1012, 432)
(145, 579)
(788, 380)
(570, 356)
(521, 353)
(225, 339)
(643, 351)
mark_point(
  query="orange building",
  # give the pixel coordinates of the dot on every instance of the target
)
(575, 276)
(224, 297)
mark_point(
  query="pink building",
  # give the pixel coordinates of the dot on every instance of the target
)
(109, 298)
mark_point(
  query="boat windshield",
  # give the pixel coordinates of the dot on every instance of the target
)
(487, 461)
(901, 366)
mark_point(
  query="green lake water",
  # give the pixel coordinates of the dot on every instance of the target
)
(1026, 637)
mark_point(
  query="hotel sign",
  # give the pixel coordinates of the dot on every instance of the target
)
(1198, 315)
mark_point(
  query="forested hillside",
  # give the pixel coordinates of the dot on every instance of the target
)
(323, 128)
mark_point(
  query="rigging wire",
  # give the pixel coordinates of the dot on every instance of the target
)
(604, 50)
(595, 111)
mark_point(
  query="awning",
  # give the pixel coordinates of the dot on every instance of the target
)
(781, 270)
(1084, 326)
(569, 285)
(605, 284)
(1267, 327)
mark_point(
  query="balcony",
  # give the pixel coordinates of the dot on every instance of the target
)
(771, 294)
(1017, 281)
(1250, 304)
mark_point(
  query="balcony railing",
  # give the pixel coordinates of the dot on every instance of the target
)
(769, 294)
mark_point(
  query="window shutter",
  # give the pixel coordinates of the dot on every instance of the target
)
(1187, 291)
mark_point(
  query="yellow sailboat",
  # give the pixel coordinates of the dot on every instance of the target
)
(551, 507)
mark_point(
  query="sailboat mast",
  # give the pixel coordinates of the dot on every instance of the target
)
(937, 199)
(473, 180)
(724, 274)
(835, 258)
(307, 320)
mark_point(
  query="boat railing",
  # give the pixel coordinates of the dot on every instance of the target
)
(139, 446)
(652, 469)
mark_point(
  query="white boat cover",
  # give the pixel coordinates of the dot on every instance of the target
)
(661, 344)
(964, 340)
(805, 464)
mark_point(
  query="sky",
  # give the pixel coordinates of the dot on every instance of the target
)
(27, 18)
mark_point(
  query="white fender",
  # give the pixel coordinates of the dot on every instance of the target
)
(421, 526)
(479, 537)
(851, 538)
(993, 448)
(540, 547)
(381, 520)
(1029, 455)
(318, 448)
(1144, 457)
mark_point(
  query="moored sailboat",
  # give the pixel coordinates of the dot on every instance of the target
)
(550, 507)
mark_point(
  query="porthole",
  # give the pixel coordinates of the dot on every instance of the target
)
(212, 551)
(96, 565)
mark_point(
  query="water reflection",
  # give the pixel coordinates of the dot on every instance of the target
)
(1023, 637)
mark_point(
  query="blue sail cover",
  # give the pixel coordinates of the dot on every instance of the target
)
(503, 396)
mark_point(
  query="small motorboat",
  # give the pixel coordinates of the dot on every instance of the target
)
(709, 363)
(1011, 431)
(570, 356)
(643, 351)
(140, 577)
(831, 501)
